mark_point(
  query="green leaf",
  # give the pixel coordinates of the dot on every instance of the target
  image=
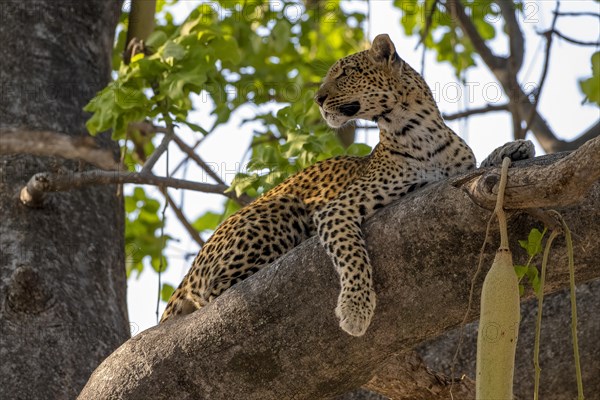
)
(281, 35)
(226, 49)
(520, 270)
(207, 222)
(358, 149)
(166, 291)
(157, 265)
(172, 50)
(127, 97)
(156, 39)
(591, 86)
(533, 244)
(485, 29)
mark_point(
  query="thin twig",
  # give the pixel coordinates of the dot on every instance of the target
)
(475, 111)
(578, 14)
(186, 160)
(191, 154)
(574, 41)
(186, 224)
(544, 73)
(158, 152)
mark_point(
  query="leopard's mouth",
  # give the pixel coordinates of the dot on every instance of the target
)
(340, 115)
(350, 109)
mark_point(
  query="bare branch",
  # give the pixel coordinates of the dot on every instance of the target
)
(515, 35)
(515, 59)
(44, 182)
(574, 41)
(45, 143)
(475, 111)
(186, 224)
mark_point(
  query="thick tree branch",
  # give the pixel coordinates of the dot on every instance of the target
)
(44, 143)
(275, 334)
(562, 185)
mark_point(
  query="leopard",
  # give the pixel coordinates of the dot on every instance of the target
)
(332, 198)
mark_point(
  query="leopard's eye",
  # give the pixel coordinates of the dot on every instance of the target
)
(341, 73)
(350, 69)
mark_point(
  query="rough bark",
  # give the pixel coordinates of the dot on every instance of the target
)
(62, 279)
(275, 335)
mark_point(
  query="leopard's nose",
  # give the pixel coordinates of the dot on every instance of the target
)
(320, 98)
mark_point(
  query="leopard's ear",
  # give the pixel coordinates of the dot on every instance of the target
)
(383, 51)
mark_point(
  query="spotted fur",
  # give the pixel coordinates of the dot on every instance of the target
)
(333, 198)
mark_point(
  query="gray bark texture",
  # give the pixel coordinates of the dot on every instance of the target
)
(62, 279)
(275, 335)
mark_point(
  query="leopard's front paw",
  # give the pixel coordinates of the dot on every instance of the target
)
(355, 310)
(516, 150)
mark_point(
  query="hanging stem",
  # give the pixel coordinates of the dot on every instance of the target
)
(538, 323)
(569, 241)
(499, 210)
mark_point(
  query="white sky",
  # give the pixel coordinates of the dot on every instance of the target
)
(560, 105)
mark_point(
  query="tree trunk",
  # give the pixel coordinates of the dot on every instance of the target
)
(62, 276)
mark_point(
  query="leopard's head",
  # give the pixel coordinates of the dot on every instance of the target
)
(366, 85)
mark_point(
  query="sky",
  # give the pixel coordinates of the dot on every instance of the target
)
(560, 104)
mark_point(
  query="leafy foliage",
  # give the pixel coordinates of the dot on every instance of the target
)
(533, 246)
(223, 56)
